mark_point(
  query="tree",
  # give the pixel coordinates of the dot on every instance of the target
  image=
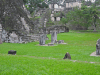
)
(64, 21)
(84, 16)
(94, 14)
(77, 17)
(32, 5)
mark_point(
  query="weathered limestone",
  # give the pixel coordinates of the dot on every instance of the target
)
(13, 38)
(12, 52)
(42, 39)
(14, 16)
(43, 36)
(0, 30)
(50, 44)
(0, 41)
(53, 36)
(67, 56)
(44, 32)
(0, 34)
(98, 47)
(4, 36)
(25, 24)
(35, 37)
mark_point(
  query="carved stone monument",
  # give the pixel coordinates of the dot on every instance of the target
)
(53, 36)
(98, 47)
(42, 39)
(44, 32)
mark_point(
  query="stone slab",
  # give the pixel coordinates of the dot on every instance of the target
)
(94, 54)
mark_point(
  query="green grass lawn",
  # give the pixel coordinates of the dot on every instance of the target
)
(32, 59)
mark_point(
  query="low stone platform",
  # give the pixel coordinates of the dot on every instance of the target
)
(94, 54)
(63, 43)
(50, 44)
(47, 45)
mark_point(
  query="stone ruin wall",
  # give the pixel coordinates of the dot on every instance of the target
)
(15, 23)
(58, 28)
(14, 16)
(14, 20)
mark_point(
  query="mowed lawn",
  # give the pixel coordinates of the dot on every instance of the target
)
(32, 59)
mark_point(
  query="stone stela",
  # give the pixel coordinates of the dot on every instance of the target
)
(42, 39)
(53, 36)
(43, 36)
(98, 47)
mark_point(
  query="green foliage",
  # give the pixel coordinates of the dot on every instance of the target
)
(25, 1)
(84, 16)
(35, 18)
(63, 20)
(35, 4)
(49, 23)
(57, 14)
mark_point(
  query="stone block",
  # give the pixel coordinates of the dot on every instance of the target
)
(50, 44)
(12, 52)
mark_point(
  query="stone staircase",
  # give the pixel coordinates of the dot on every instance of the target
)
(30, 38)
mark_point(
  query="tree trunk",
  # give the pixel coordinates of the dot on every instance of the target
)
(94, 25)
(94, 29)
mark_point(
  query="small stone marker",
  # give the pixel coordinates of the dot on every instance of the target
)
(42, 40)
(67, 56)
(98, 47)
(53, 36)
(12, 52)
